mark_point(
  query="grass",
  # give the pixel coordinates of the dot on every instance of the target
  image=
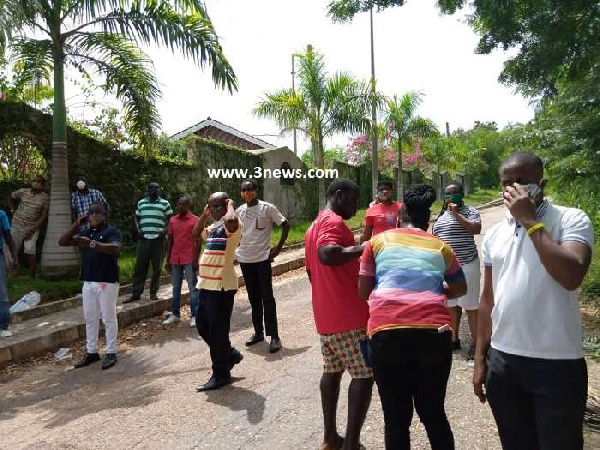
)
(298, 230)
(54, 289)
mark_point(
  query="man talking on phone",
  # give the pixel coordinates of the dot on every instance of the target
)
(529, 325)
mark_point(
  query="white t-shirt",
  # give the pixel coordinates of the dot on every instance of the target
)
(256, 237)
(533, 315)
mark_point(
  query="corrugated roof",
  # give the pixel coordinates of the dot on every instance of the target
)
(221, 126)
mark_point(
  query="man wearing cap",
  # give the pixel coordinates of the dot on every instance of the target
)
(82, 198)
(151, 219)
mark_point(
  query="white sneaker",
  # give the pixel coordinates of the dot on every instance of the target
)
(171, 320)
(193, 322)
(5, 333)
(167, 314)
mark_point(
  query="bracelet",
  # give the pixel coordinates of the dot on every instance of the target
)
(535, 227)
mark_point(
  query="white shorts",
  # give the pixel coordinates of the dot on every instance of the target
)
(470, 300)
(18, 234)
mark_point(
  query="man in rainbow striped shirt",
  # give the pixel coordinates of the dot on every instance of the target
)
(218, 284)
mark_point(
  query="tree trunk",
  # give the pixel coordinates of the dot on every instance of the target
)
(59, 261)
(400, 182)
(321, 180)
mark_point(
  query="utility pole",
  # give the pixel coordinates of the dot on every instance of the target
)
(294, 90)
(374, 162)
(447, 129)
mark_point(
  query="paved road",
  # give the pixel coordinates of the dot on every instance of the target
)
(149, 401)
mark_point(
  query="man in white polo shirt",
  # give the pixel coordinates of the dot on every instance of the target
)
(529, 327)
(255, 255)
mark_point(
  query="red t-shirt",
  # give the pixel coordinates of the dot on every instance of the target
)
(382, 217)
(336, 304)
(182, 247)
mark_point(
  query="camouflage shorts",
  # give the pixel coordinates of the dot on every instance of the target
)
(341, 351)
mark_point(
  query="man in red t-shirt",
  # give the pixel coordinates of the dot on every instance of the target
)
(383, 214)
(182, 259)
(332, 264)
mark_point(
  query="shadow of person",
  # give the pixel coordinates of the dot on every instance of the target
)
(285, 352)
(239, 399)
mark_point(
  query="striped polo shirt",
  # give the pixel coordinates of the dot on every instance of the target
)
(409, 267)
(450, 230)
(216, 270)
(153, 216)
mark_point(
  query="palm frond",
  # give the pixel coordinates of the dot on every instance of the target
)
(17, 17)
(184, 26)
(129, 74)
(347, 105)
(421, 127)
(32, 59)
(286, 107)
(313, 77)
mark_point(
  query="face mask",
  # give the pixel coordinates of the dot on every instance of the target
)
(248, 196)
(383, 195)
(80, 185)
(453, 198)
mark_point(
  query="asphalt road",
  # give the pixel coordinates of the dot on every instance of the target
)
(149, 400)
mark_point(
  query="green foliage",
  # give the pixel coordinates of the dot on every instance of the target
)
(322, 105)
(557, 41)
(20, 159)
(405, 126)
(103, 37)
(345, 10)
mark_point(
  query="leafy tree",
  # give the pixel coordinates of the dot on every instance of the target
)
(323, 105)
(345, 10)
(102, 37)
(405, 126)
(556, 40)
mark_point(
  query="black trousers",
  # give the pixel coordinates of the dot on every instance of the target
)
(148, 252)
(259, 284)
(213, 320)
(537, 403)
(412, 366)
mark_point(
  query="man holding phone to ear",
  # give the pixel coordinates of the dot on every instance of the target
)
(529, 352)
(100, 245)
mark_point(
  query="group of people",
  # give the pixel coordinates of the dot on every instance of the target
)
(28, 217)
(243, 235)
(388, 310)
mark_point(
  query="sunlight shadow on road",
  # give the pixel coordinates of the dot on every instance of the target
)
(285, 352)
(240, 399)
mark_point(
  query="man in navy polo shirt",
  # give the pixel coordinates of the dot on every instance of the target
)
(100, 245)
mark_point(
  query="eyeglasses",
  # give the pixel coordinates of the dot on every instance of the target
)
(216, 207)
(249, 189)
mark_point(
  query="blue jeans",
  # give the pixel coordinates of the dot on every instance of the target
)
(177, 273)
(4, 303)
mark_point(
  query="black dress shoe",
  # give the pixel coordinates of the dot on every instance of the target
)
(275, 345)
(255, 339)
(213, 384)
(109, 360)
(131, 299)
(153, 297)
(88, 359)
(235, 358)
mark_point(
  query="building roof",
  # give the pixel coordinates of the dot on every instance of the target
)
(225, 129)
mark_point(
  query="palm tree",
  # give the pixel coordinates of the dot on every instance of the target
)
(320, 107)
(102, 37)
(405, 126)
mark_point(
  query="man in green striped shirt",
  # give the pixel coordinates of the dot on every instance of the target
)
(151, 220)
